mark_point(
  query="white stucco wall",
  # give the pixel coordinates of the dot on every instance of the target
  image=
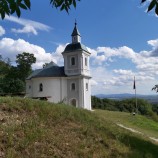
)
(28, 88)
(87, 94)
(73, 94)
(53, 88)
(79, 68)
(59, 89)
(85, 68)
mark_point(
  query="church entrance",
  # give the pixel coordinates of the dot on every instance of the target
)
(73, 102)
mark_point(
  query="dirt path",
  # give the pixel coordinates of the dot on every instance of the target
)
(135, 131)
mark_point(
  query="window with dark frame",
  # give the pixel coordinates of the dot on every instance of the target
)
(40, 87)
(73, 86)
(86, 86)
(85, 61)
(73, 61)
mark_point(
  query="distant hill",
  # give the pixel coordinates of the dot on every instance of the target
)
(150, 98)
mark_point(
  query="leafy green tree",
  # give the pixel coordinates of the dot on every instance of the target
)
(4, 67)
(11, 82)
(97, 103)
(12, 78)
(24, 62)
(13, 86)
(9, 7)
(155, 108)
(19, 74)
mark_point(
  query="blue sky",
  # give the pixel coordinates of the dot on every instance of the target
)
(121, 36)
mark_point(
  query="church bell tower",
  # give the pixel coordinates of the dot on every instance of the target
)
(76, 56)
(76, 37)
(76, 67)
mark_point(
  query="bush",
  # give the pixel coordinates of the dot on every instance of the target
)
(155, 108)
(127, 105)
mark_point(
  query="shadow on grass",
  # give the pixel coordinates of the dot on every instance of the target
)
(140, 148)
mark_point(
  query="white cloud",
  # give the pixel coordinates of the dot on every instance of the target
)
(153, 43)
(93, 82)
(92, 51)
(123, 72)
(124, 51)
(105, 78)
(29, 25)
(57, 54)
(2, 31)
(26, 29)
(120, 80)
(10, 48)
(146, 61)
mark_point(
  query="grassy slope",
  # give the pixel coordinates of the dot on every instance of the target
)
(137, 122)
(33, 129)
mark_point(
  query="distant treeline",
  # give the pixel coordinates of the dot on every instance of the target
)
(127, 105)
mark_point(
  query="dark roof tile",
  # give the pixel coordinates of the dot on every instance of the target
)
(75, 31)
(51, 70)
(74, 47)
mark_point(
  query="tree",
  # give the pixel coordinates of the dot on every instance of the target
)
(45, 65)
(24, 62)
(155, 88)
(12, 85)
(12, 78)
(4, 67)
(153, 4)
(11, 82)
(8, 7)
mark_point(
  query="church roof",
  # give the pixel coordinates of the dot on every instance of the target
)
(74, 47)
(34, 73)
(51, 70)
(75, 31)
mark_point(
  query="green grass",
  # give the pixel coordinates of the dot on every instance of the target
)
(38, 129)
(138, 122)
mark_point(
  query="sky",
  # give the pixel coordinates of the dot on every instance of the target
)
(121, 36)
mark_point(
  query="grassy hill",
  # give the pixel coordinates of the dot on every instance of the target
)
(138, 122)
(38, 129)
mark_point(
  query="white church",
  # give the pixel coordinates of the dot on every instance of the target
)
(69, 84)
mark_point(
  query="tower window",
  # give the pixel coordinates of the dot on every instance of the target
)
(74, 39)
(73, 61)
(85, 61)
(40, 87)
(73, 86)
(86, 86)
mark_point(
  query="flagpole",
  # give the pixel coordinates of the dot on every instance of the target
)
(136, 101)
(134, 87)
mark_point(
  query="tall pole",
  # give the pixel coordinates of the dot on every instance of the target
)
(134, 87)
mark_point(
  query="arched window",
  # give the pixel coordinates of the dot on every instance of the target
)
(73, 86)
(73, 61)
(40, 87)
(73, 102)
